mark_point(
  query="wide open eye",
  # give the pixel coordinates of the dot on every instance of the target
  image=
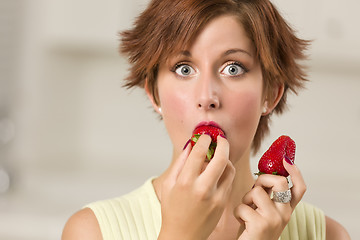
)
(233, 69)
(184, 70)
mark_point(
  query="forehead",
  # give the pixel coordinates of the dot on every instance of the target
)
(224, 34)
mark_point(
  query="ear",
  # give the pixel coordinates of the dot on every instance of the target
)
(156, 107)
(270, 105)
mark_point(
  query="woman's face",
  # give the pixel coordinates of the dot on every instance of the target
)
(218, 79)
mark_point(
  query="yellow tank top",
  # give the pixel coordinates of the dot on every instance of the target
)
(137, 216)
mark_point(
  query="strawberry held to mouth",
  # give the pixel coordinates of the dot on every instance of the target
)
(272, 160)
(213, 132)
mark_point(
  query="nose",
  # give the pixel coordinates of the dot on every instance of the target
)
(207, 93)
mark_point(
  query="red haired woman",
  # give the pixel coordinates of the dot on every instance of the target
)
(229, 64)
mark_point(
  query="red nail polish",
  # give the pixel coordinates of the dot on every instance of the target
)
(187, 143)
(288, 160)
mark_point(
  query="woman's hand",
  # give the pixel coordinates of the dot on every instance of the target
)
(262, 218)
(193, 198)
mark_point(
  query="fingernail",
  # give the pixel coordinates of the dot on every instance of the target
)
(288, 160)
(186, 144)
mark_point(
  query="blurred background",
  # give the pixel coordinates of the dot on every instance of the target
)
(70, 134)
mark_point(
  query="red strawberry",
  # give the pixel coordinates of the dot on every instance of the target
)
(213, 132)
(272, 160)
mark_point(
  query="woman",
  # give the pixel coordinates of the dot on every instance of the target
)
(228, 64)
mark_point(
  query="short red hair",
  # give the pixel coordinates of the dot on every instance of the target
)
(168, 26)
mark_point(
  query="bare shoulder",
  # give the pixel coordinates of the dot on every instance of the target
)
(335, 231)
(82, 225)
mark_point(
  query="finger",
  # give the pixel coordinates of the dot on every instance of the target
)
(179, 163)
(241, 229)
(259, 200)
(275, 183)
(227, 179)
(216, 167)
(195, 161)
(229, 171)
(259, 197)
(244, 213)
(299, 187)
(272, 183)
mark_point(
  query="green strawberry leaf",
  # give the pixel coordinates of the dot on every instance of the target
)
(211, 149)
(210, 154)
(213, 145)
(259, 173)
(195, 138)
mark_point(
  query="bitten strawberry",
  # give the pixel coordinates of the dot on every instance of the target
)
(213, 132)
(272, 160)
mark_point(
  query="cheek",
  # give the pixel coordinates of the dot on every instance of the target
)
(246, 97)
(175, 110)
(247, 105)
(173, 102)
(246, 113)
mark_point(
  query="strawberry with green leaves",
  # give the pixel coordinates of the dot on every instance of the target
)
(272, 160)
(213, 132)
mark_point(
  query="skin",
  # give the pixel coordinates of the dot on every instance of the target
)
(236, 102)
(198, 85)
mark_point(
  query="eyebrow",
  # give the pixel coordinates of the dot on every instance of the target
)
(187, 53)
(236, 50)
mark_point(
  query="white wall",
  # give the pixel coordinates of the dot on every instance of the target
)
(80, 137)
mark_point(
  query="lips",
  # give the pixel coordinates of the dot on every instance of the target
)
(211, 123)
(210, 128)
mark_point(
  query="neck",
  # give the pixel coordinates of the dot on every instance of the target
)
(228, 225)
(243, 180)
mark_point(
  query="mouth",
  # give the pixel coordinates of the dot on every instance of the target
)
(211, 123)
(213, 130)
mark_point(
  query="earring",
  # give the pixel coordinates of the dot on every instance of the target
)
(265, 109)
(159, 109)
